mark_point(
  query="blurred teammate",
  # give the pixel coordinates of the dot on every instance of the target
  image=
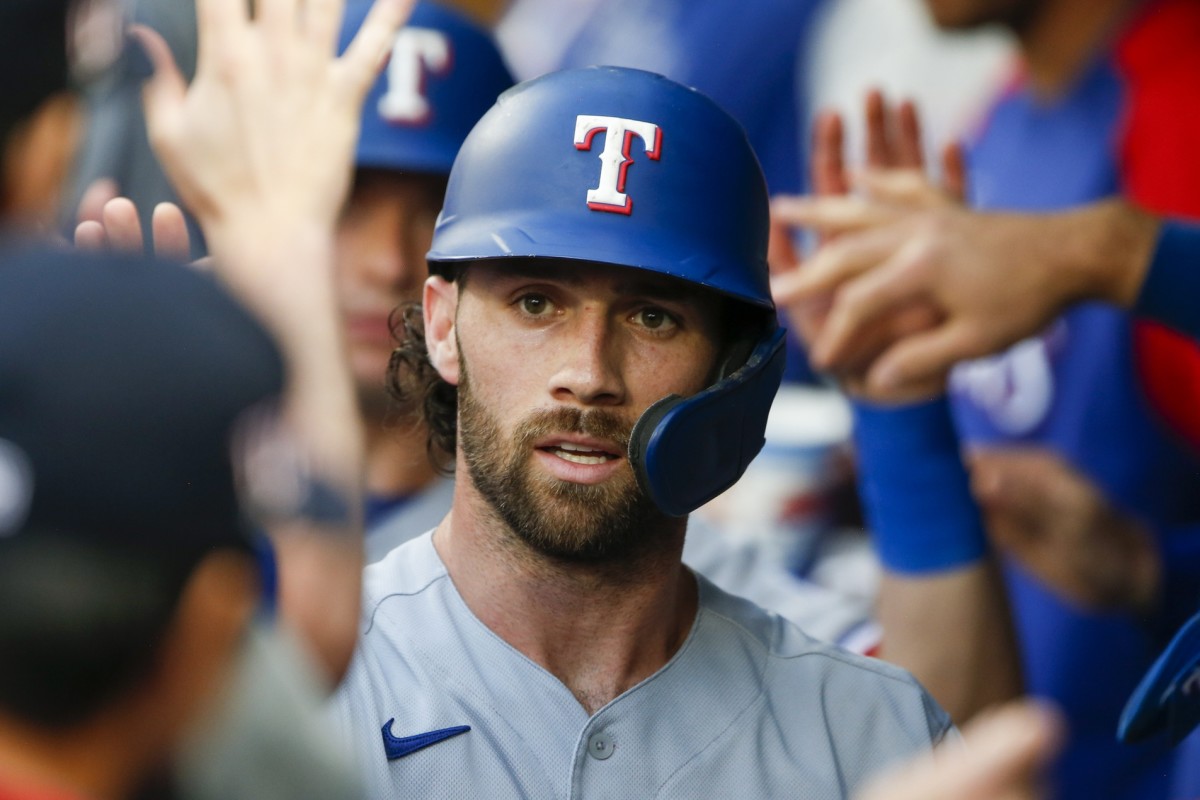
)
(125, 567)
(443, 74)
(1077, 472)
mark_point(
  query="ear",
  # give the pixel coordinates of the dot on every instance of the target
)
(440, 304)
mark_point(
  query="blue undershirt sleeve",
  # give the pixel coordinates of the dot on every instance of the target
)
(915, 489)
(1171, 292)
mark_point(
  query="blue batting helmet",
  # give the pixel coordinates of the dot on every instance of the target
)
(624, 167)
(443, 74)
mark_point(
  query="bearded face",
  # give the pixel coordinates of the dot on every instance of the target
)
(602, 522)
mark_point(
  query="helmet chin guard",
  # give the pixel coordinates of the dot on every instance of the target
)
(686, 451)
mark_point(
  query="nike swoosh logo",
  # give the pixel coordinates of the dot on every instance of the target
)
(395, 747)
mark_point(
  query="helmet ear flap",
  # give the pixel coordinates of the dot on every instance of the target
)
(686, 451)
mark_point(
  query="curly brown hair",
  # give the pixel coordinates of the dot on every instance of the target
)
(414, 383)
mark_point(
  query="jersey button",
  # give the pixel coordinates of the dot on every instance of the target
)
(600, 746)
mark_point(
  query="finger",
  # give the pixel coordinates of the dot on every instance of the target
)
(833, 214)
(164, 92)
(89, 235)
(828, 157)
(879, 145)
(91, 205)
(909, 150)
(369, 50)
(781, 253)
(920, 358)
(863, 301)
(1002, 753)
(322, 22)
(219, 26)
(954, 171)
(836, 263)
(875, 337)
(122, 226)
(276, 18)
(906, 186)
(169, 228)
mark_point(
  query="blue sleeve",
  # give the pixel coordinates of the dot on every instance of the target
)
(915, 489)
(1179, 548)
(1171, 293)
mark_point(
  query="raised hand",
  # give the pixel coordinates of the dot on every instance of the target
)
(892, 184)
(1061, 528)
(1002, 758)
(260, 146)
(115, 225)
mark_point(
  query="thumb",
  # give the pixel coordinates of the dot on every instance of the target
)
(163, 94)
(920, 358)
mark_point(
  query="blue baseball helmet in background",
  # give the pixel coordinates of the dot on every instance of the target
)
(624, 167)
(443, 74)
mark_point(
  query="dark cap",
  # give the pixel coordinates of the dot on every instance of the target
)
(121, 383)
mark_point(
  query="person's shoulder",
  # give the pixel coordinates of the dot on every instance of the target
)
(797, 667)
(781, 639)
(408, 570)
(1160, 38)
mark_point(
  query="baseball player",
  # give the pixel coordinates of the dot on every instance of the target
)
(125, 572)
(604, 351)
(442, 75)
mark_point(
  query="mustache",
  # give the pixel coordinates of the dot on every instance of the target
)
(595, 422)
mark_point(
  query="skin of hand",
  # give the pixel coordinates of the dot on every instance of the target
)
(967, 605)
(895, 166)
(116, 226)
(987, 279)
(259, 147)
(238, 144)
(1000, 758)
(1060, 527)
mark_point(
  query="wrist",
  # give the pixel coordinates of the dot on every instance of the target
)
(912, 479)
(1108, 247)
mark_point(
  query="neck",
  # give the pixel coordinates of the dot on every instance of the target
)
(1062, 36)
(397, 462)
(599, 628)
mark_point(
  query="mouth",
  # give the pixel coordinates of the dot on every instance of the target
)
(369, 328)
(581, 454)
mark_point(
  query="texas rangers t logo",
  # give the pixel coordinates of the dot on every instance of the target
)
(615, 159)
(416, 53)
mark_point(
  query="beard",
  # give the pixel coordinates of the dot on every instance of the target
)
(614, 521)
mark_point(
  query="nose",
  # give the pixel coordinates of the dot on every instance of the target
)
(589, 371)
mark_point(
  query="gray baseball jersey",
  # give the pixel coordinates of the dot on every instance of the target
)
(437, 706)
(739, 567)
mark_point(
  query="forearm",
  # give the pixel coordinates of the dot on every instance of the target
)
(943, 605)
(319, 548)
